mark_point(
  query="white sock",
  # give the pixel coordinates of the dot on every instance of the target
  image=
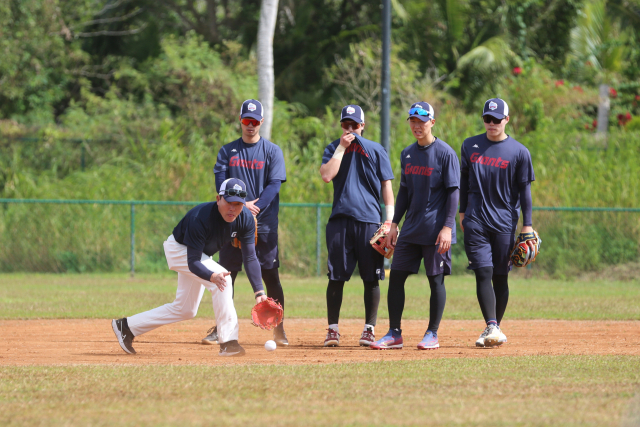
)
(373, 328)
(334, 327)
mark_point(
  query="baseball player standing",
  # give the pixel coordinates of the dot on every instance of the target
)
(429, 191)
(260, 164)
(199, 235)
(495, 181)
(360, 171)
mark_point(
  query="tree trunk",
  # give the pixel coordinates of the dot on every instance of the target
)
(266, 28)
(604, 105)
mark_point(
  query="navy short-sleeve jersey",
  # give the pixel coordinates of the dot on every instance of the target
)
(256, 165)
(204, 229)
(428, 172)
(494, 170)
(356, 187)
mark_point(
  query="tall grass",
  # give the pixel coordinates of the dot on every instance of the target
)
(135, 150)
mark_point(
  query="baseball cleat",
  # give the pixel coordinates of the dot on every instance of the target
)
(480, 340)
(503, 337)
(332, 339)
(124, 334)
(212, 337)
(367, 338)
(492, 337)
(489, 337)
(231, 349)
(393, 340)
(429, 342)
(279, 336)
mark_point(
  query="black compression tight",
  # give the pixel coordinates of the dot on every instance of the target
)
(493, 299)
(501, 289)
(396, 299)
(371, 301)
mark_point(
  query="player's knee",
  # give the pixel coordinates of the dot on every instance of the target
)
(371, 284)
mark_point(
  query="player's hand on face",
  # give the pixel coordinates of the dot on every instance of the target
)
(347, 138)
(219, 279)
(444, 240)
(261, 298)
(252, 207)
(392, 237)
(461, 219)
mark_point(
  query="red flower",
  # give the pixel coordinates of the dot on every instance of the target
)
(595, 123)
(517, 71)
(637, 97)
(559, 83)
(578, 88)
(623, 119)
(613, 93)
(587, 126)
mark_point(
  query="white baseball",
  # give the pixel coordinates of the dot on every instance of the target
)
(270, 345)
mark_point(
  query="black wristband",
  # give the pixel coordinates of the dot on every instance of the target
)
(259, 294)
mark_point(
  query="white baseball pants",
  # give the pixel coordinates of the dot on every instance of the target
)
(188, 296)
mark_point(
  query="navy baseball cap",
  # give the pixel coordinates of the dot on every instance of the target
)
(422, 110)
(252, 109)
(352, 112)
(495, 107)
(233, 190)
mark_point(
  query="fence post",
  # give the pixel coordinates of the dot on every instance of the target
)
(133, 239)
(82, 154)
(318, 239)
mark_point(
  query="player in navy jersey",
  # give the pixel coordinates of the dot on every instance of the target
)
(199, 235)
(260, 164)
(495, 182)
(360, 170)
(429, 190)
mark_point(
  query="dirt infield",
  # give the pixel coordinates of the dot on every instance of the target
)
(73, 342)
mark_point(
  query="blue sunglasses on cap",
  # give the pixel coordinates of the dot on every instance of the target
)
(419, 111)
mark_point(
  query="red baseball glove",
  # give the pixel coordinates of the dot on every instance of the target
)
(267, 314)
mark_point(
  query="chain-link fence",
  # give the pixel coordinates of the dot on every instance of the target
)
(104, 235)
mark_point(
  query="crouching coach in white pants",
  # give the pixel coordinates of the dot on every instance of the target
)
(199, 235)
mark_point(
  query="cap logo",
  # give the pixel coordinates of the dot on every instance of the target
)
(493, 106)
(237, 187)
(351, 110)
(251, 106)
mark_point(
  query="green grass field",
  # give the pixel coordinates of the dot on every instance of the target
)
(25, 296)
(502, 391)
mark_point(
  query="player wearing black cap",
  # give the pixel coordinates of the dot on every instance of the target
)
(260, 164)
(360, 170)
(199, 235)
(496, 178)
(429, 189)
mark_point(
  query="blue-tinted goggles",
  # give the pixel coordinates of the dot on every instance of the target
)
(234, 192)
(419, 111)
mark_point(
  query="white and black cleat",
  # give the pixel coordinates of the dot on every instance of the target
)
(212, 338)
(124, 334)
(231, 349)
